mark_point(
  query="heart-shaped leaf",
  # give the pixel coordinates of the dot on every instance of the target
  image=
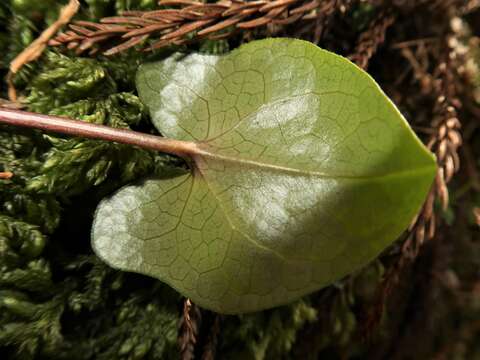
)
(302, 172)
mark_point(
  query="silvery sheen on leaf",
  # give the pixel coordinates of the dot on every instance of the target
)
(304, 172)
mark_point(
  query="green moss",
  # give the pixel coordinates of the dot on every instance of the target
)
(57, 300)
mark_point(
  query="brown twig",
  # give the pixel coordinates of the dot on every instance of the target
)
(321, 22)
(8, 104)
(471, 169)
(469, 7)
(476, 215)
(36, 48)
(184, 20)
(210, 348)
(189, 327)
(372, 38)
(444, 142)
(6, 175)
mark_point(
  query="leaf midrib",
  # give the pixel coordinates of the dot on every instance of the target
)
(199, 172)
(203, 152)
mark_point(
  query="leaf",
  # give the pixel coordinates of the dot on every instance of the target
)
(303, 172)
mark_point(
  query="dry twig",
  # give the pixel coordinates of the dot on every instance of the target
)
(190, 20)
(315, 29)
(6, 175)
(189, 327)
(476, 214)
(444, 142)
(36, 48)
(372, 38)
(210, 348)
(469, 7)
(13, 105)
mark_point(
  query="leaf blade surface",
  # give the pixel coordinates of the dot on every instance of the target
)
(304, 172)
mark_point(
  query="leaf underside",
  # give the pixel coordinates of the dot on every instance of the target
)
(305, 171)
